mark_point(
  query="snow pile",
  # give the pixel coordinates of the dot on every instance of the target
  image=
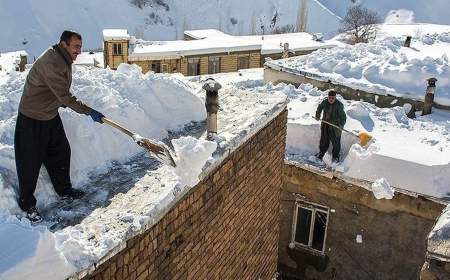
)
(147, 104)
(381, 189)
(30, 252)
(412, 154)
(384, 67)
(401, 16)
(191, 157)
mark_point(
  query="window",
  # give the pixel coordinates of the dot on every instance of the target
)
(117, 49)
(213, 64)
(310, 225)
(164, 68)
(243, 62)
(156, 66)
(193, 66)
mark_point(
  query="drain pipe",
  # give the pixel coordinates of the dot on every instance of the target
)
(212, 106)
(429, 96)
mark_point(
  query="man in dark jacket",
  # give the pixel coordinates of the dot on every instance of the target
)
(333, 112)
(39, 137)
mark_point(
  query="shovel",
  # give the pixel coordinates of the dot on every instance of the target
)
(157, 150)
(364, 137)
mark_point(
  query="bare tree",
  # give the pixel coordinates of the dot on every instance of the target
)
(360, 23)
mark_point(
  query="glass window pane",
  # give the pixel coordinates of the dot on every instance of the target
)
(320, 224)
(303, 225)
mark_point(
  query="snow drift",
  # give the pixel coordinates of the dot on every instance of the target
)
(148, 104)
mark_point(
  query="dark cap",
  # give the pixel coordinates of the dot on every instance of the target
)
(332, 93)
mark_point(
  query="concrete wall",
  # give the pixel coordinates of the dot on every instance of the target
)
(393, 231)
(226, 227)
(383, 101)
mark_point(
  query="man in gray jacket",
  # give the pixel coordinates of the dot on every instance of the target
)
(39, 137)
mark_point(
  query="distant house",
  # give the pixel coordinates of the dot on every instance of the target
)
(202, 52)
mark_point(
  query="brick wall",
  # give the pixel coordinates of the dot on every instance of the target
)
(112, 60)
(226, 227)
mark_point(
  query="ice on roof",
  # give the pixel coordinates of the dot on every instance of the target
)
(115, 34)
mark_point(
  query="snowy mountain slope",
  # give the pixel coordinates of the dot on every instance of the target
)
(432, 11)
(38, 24)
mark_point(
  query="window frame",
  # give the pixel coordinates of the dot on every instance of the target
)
(190, 61)
(211, 60)
(247, 58)
(117, 49)
(313, 207)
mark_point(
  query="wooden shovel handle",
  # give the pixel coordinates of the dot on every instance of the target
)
(118, 126)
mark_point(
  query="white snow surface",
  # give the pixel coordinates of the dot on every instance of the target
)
(384, 66)
(29, 252)
(382, 189)
(411, 154)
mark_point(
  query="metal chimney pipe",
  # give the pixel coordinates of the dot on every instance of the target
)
(429, 96)
(407, 41)
(212, 106)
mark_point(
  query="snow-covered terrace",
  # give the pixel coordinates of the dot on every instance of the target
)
(127, 191)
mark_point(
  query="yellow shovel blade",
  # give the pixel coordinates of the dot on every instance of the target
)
(364, 138)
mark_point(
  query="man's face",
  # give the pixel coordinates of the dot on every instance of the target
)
(73, 48)
(331, 98)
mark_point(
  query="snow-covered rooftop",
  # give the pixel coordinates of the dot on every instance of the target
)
(127, 191)
(384, 66)
(203, 33)
(115, 34)
(215, 41)
(90, 59)
(180, 48)
(300, 41)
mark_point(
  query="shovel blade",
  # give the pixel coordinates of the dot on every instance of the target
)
(158, 150)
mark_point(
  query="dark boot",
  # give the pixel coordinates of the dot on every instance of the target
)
(73, 194)
(33, 215)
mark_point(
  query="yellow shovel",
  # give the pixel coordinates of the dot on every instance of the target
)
(364, 137)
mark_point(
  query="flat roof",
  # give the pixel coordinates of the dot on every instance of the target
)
(115, 34)
(180, 48)
(211, 41)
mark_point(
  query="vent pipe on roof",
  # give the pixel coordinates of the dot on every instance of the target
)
(407, 41)
(212, 106)
(429, 96)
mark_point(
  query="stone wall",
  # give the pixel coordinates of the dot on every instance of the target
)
(226, 227)
(393, 231)
(380, 100)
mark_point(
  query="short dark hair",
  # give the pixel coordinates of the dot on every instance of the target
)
(332, 93)
(67, 35)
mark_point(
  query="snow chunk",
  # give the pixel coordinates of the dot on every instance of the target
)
(30, 252)
(192, 155)
(382, 189)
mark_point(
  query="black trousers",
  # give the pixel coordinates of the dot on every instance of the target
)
(36, 143)
(330, 134)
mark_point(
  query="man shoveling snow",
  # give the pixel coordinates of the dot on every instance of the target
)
(333, 113)
(40, 137)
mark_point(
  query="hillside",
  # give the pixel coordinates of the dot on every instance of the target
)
(37, 24)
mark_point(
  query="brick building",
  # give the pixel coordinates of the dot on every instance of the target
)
(204, 51)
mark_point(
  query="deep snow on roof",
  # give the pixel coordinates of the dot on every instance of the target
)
(115, 34)
(215, 41)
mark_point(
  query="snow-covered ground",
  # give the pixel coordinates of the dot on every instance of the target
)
(126, 191)
(385, 66)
